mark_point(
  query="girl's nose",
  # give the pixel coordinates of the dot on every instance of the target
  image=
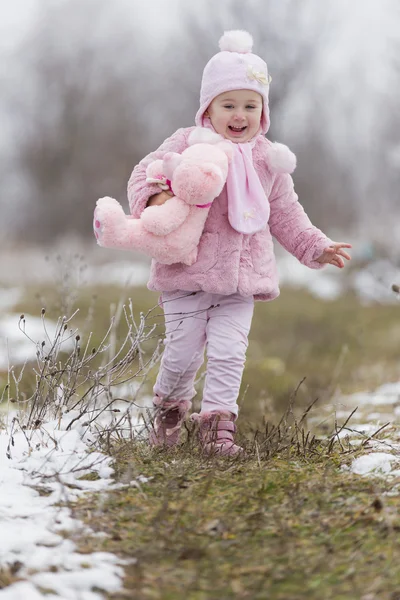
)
(239, 115)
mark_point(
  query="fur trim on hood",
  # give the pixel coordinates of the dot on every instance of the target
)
(280, 159)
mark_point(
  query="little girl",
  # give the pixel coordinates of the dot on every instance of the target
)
(209, 305)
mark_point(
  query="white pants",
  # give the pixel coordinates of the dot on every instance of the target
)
(195, 321)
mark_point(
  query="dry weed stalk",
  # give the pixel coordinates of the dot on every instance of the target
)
(290, 438)
(81, 380)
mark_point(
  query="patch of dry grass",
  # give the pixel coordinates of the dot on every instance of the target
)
(283, 523)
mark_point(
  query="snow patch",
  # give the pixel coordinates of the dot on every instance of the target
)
(51, 459)
(377, 463)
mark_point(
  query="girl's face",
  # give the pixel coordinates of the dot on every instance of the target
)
(236, 115)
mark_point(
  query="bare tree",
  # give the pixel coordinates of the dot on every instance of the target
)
(78, 113)
(94, 98)
(350, 122)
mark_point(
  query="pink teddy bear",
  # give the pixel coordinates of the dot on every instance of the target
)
(170, 233)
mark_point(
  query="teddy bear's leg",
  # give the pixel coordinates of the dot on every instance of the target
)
(111, 226)
(103, 206)
(97, 227)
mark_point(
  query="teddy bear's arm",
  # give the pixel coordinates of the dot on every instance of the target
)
(165, 218)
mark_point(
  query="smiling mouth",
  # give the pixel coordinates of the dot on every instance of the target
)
(237, 129)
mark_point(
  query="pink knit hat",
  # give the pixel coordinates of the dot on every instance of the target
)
(234, 68)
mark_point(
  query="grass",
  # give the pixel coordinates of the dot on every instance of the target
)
(335, 345)
(288, 527)
(339, 344)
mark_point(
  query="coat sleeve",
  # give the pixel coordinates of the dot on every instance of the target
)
(139, 191)
(290, 225)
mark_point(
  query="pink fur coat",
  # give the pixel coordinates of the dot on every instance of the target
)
(229, 262)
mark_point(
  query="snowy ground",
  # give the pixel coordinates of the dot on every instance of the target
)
(374, 410)
(41, 472)
(41, 468)
(37, 469)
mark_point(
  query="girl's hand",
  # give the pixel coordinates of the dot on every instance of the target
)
(333, 255)
(159, 199)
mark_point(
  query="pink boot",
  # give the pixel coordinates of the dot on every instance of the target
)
(216, 430)
(168, 420)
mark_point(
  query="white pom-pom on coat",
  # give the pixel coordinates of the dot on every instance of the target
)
(280, 159)
(236, 41)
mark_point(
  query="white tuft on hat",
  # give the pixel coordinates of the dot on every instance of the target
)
(236, 41)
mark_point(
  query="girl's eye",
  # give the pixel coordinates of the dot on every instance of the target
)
(250, 106)
(228, 106)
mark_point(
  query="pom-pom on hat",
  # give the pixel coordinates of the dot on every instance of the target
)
(234, 68)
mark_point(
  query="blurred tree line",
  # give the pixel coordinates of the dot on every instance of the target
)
(96, 87)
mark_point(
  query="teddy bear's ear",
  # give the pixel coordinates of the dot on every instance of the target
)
(170, 162)
(155, 172)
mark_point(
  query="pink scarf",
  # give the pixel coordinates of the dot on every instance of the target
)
(248, 206)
